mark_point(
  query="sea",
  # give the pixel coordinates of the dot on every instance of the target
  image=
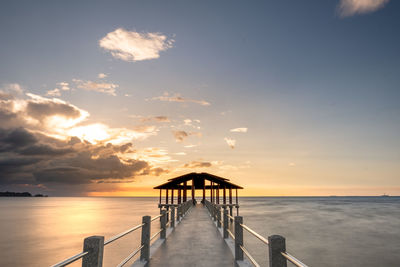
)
(319, 231)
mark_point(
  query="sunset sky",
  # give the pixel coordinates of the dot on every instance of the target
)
(111, 98)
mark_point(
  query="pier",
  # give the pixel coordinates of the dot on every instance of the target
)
(191, 233)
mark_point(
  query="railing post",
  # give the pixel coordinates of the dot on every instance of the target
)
(219, 217)
(145, 251)
(276, 247)
(172, 216)
(167, 214)
(226, 223)
(163, 234)
(95, 246)
(238, 238)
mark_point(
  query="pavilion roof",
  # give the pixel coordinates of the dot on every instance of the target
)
(175, 182)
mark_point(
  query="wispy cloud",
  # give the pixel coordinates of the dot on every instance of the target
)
(239, 130)
(180, 136)
(63, 86)
(135, 46)
(102, 87)
(156, 119)
(231, 142)
(197, 164)
(178, 98)
(348, 8)
(54, 92)
(102, 75)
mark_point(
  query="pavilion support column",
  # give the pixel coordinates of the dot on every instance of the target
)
(211, 191)
(204, 191)
(179, 196)
(218, 194)
(159, 202)
(193, 196)
(224, 195)
(166, 197)
(184, 191)
(230, 202)
(237, 203)
(172, 196)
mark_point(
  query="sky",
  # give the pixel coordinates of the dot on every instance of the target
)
(285, 98)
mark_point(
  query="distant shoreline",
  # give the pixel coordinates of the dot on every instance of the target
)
(20, 194)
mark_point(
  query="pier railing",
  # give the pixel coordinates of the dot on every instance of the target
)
(278, 256)
(93, 246)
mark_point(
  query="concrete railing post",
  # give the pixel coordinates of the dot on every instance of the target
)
(219, 217)
(238, 238)
(95, 246)
(145, 251)
(163, 234)
(276, 247)
(167, 214)
(226, 222)
(173, 217)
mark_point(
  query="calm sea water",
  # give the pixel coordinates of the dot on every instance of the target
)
(326, 231)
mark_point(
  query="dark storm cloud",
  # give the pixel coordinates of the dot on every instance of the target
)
(30, 157)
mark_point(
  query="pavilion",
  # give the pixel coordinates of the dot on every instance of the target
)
(199, 181)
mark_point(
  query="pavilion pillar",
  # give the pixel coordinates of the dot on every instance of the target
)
(230, 202)
(179, 196)
(172, 196)
(184, 191)
(193, 190)
(217, 194)
(237, 203)
(211, 191)
(166, 197)
(159, 202)
(204, 191)
(224, 195)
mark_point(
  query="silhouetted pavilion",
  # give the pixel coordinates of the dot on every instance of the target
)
(198, 181)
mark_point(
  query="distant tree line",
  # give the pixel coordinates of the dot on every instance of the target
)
(18, 194)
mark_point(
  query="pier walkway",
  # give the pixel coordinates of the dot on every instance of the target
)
(196, 242)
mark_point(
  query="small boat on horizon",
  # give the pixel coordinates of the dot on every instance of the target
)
(384, 195)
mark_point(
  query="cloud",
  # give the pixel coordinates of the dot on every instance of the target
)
(102, 87)
(13, 88)
(178, 98)
(231, 142)
(348, 8)
(44, 143)
(135, 46)
(197, 164)
(54, 92)
(239, 130)
(102, 75)
(156, 119)
(180, 135)
(63, 86)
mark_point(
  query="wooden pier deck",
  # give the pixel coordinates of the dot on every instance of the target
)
(196, 242)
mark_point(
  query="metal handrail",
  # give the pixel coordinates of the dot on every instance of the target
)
(70, 259)
(229, 216)
(255, 234)
(230, 233)
(122, 234)
(153, 236)
(293, 260)
(155, 218)
(130, 256)
(249, 256)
